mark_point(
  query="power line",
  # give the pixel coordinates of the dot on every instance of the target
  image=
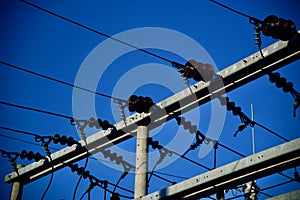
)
(236, 11)
(60, 81)
(35, 109)
(277, 185)
(98, 32)
(24, 141)
(171, 175)
(19, 131)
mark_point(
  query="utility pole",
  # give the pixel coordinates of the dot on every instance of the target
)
(17, 188)
(141, 165)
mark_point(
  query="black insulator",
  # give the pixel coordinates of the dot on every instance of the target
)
(278, 28)
(106, 153)
(119, 159)
(74, 167)
(30, 155)
(38, 157)
(288, 87)
(132, 103)
(56, 138)
(281, 82)
(230, 106)
(237, 111)
(80, 170)
(106, 125)
(193, 129)
(273, 77)
(187, 125)
(23, 154)
(198, 71)
(70, 141)
(115, 196)
(63, 140)
(85, 174)
(155, 144)
(92, 122)
(150, 140)
(113, 156)
(98, 124)
(139, 104)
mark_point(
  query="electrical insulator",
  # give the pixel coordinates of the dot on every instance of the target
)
(30, 155)
(63, 140)
(278, 28)
(71, 141)
(115, 196)
(23, 154)
(139, 104)
(56, 138)
(198, 71)
(273, 77)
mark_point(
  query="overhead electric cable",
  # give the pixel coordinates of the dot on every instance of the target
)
(171, 175)
(98, 32)
(235, 11)
(60, 81)
(277, 185)
(35, 109)
(18, 131)
(24, 141)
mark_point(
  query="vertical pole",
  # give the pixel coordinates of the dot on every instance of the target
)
(141, 168)
(253, 138)
(17, 188)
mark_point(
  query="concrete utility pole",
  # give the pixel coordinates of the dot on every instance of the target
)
(17, 188)
(141, 169)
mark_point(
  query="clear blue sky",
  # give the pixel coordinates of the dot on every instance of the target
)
(40, 42)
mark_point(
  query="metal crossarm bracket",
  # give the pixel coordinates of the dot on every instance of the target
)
(276, 55)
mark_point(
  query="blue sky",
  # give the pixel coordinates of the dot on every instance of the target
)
(45, 44)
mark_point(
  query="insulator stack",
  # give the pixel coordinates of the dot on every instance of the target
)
(281, 82)
(31, 156)
(80, 171)
(278, 28)
(187, 125)
(63, 140)
(112, 156)
(230, 106)
(162, 151)
(198, 71)
(139, 104)
(236, 111)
